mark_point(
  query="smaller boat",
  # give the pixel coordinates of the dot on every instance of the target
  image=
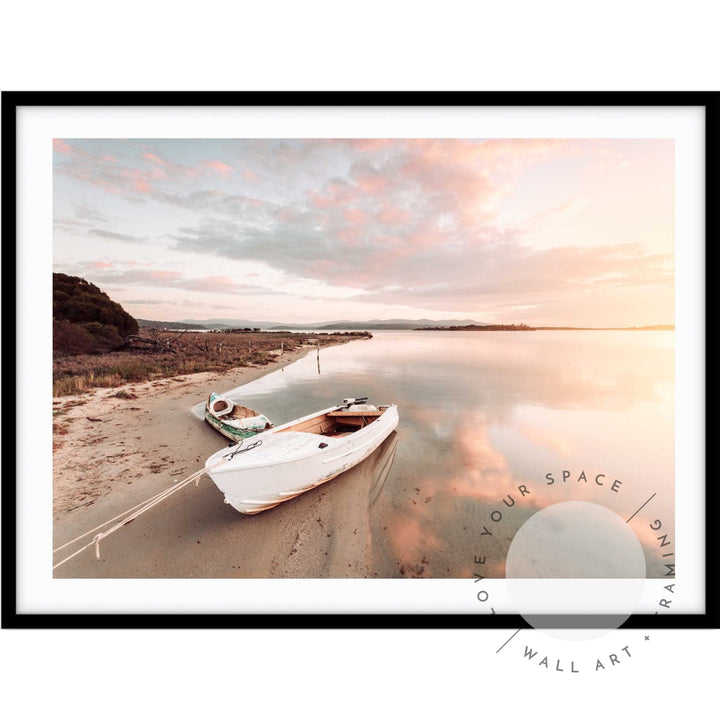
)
(295, 457)
(234, 421)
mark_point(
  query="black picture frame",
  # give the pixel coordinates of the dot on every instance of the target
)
(13, 101)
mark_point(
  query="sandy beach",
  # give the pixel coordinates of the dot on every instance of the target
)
(116, 447)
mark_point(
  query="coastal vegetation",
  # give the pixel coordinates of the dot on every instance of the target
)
(168, 325)
(96, 343)
(521, 326)
(85, 319)
(170, 353)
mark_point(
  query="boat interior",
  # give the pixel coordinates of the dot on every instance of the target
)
(337, 423)
(221, 408)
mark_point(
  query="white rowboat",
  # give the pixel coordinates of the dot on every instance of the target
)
(290, 459)
(234, 421)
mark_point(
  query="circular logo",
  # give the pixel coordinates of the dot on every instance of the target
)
(575, 570)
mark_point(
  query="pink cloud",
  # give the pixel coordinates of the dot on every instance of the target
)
(139, 181)
(390, 215)
(368, 144)
(335, 193)
(225, 171)
(355, 217)
(164, 275)
(250, 175)
(157, 173)
(103, 171)
(457, 186)
(169, 168)
(349, 235)
(169, 279)
(219, 280)
(371, 184)
(154, 158)
(62, 147)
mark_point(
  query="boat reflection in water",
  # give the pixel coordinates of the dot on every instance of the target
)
(377, 467)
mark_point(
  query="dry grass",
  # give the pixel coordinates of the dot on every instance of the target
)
(193, 353)
(124, 395)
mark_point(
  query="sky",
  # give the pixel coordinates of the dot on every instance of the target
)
(544, 232)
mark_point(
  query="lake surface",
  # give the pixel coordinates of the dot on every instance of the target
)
(482, 413)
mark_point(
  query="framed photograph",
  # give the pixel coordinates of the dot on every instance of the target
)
(341, 360)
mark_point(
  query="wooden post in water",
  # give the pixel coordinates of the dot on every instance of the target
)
(318, 359)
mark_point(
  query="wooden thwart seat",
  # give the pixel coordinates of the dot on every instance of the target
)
(363, 413)
(336, 423)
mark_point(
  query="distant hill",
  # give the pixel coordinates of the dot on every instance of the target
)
(226, 323)
(520, 327)
(85, 319)
(169, 325)
(393, 324)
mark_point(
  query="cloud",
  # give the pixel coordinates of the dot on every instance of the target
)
(70, 225)
(154, 158)
(83, 219)
(91, 216)
(145, 302)
(60, 146)
(178, 280)
(105, 174)
(134, 178)
(221, 168)
(434, 267)
(109, 235)
(415, 221)
(201, 200)
(148, 174)
(568, 209)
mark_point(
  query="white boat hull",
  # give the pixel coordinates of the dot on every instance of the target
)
(287, 464)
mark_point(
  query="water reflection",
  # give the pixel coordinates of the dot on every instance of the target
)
(379, 465)
(481, 414)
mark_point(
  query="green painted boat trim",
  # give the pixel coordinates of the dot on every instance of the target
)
(229, 431)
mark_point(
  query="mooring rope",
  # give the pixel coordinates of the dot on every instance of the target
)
(131, 514)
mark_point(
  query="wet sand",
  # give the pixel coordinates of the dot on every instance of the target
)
(112, 453)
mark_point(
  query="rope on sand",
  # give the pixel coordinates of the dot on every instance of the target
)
(130, 515)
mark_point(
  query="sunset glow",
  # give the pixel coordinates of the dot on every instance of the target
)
(544, 232)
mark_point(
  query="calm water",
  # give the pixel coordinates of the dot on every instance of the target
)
(484, 412)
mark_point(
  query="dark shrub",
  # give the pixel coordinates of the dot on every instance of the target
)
(71, 339)
(106, 337)
(80, 301)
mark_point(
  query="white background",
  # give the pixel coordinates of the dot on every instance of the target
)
(369, 46)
